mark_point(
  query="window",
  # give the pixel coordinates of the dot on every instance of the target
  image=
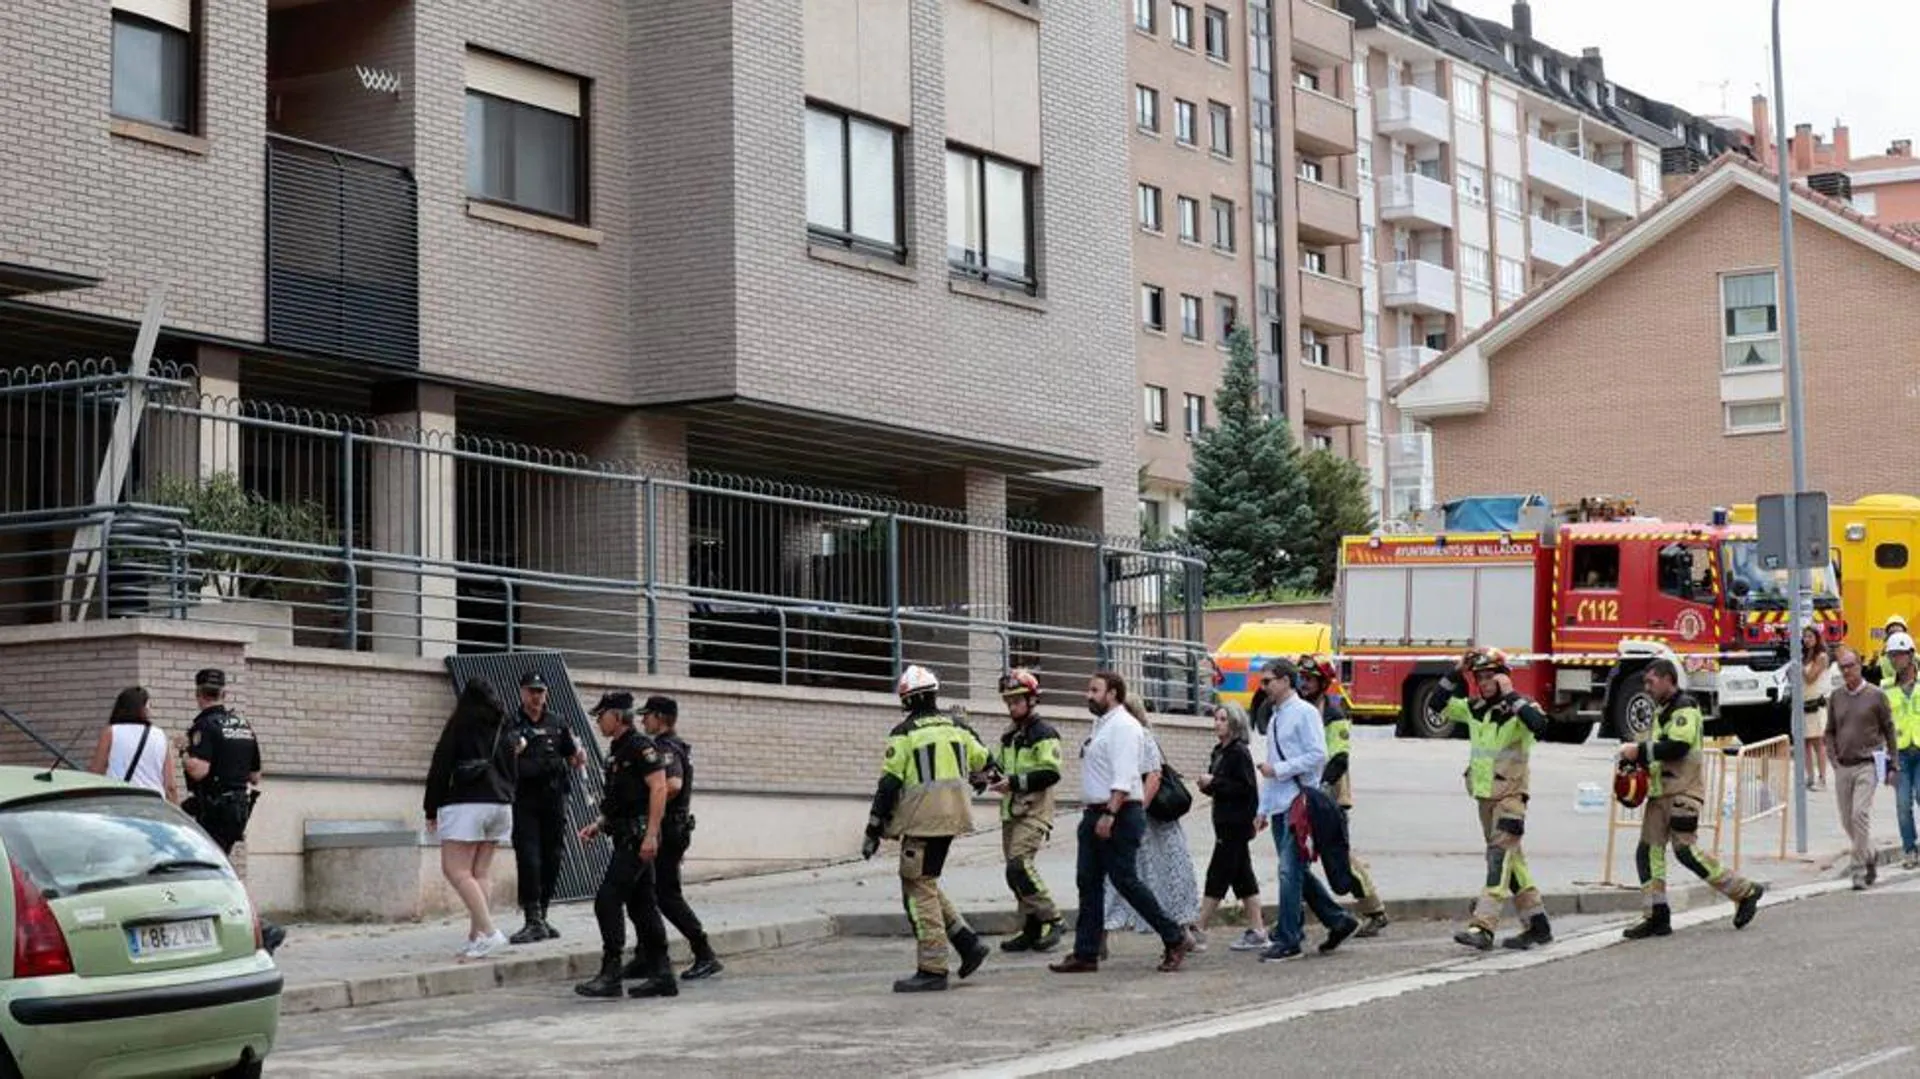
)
(853, 182)
(526, 144)
(1313, 350)
(1505, 114)
(1313, 261)
(1226, 315)
(1216, 34)
(1183, 122)
(1150, 207)
(1183, 26)
(1370, 330)
(1145, 14)
(1222, 225)
(1306, 80)
(1366, 244)
(1890, 556)
(1146, 108)
(1747, 417)
(989, 207)
(1364, 155)
(1507, 196)
(1195, 414)
(1308, 169)
(1751, 325)
(1153, 517)
(1466, 99)
(1320, 441)
(1191, 326)
(1686, 571)
(1596, 566)
(1473, 267)
(1650, 177)
(1867, 202)
(1269, 301)
(1189, 210)
(1513, 278)
(1266, 231)
(1156, 408)
(1220, 128)
(153, 63)
(1472, 182)
(1153, 307)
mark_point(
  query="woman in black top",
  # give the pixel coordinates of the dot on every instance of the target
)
(1235, 789)
(469, 803)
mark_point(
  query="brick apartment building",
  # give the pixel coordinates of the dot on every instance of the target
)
(1652, 367)
(1884, 187)
(573, 310)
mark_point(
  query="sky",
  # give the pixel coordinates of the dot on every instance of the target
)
(1843, 57)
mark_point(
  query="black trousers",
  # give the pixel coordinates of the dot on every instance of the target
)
(1231, 867)
(539, 844)
(673, 901)
(626, 892)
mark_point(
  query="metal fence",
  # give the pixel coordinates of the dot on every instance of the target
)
(343, 532)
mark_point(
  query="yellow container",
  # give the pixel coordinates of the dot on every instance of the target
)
(1876, 549)
(1255, 644)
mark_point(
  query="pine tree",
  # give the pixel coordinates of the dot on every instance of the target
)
(1249, 509)
(1342, 506)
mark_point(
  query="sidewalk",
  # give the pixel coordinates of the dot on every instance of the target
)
(1413, 824)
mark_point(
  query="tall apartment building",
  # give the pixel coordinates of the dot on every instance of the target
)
(1246, 212)
(1487, 162)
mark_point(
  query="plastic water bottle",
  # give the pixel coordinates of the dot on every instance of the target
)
(1590, 798)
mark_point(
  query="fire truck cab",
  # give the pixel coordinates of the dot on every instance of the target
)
(1583, 606)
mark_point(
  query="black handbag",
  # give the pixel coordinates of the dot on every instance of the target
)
(1173, 799)
(473, 769)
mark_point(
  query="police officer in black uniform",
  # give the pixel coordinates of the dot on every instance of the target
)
(221, 759)
(632, 811)
(540, 806)
(661, 716)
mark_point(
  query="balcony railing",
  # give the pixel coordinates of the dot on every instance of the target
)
(343, 266)
(1579, 178)
(1413, 115)
(1557, 245)
(1409, 196)
(1402, 362)
(1419, 286)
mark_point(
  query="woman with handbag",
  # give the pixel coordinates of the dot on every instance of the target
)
(131, 750)
(1166, 863)
(469, 803)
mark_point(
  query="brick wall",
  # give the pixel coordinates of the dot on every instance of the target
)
(1619, 393)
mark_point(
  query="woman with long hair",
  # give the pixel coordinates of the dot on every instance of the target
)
(1815, 664)
(131, 750)
(1234, 786)
(469, 803)
(1165, 861)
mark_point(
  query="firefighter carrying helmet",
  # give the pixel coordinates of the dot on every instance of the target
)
(1019, 682)
(916, 679)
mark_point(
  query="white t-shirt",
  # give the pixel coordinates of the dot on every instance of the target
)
(151, 772)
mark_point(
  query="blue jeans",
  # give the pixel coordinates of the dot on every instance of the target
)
(1907, 789)
(1297, 882)
(1115, 859)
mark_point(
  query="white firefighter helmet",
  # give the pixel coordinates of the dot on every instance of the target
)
(916, 679)
(1899, 642)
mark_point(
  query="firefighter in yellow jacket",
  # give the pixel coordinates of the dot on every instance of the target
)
(1027, 768)
(1676, 796)
(1501, 727)
(923, 801)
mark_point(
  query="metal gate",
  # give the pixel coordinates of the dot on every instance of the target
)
(585, 862)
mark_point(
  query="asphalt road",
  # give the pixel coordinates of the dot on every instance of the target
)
(1814, 985)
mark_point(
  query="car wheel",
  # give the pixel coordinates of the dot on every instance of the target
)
(1631, 709)
(1420, 716)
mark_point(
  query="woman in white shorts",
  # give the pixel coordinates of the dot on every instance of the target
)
(1815, 666)
(469, 803)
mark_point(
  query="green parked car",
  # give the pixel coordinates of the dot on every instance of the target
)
(136, 951)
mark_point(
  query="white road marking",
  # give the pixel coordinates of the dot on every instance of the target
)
(1871, 1060)
(1365, 992)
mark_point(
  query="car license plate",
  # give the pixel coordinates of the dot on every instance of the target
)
(165, 938)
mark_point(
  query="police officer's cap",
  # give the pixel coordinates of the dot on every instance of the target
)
(664, 707)
(618, 700)
(533, 680)
(210, 678)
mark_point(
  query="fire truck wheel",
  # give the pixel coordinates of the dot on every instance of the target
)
(1420, 714)
(1630, 708)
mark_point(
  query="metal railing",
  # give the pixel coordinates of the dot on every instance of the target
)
(343, 532)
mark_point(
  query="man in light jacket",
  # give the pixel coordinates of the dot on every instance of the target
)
(1296, 752)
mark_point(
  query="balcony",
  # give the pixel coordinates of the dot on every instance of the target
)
(1329, 305)
(1413, 115)
(343, 274)
(1323, 125)
(1330, 396)
(1327, 215)
(1322, 36)
(1400, 363)
(1415, 199)
(1578, 179)
(1410, 471)
(1418, 286)
(1556, 245)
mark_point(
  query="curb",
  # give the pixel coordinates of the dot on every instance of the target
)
(454, 979)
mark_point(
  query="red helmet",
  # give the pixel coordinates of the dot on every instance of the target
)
(1320, 666)
(1631, 784)
(1019, 682)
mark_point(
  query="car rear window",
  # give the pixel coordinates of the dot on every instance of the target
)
(96, 841)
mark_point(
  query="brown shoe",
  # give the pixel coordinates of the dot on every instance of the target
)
(1073, 964)
(1175, 955)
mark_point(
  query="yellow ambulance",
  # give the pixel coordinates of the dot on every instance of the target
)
(1876, 552)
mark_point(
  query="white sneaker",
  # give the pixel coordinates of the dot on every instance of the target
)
(1197, 937)
(487, 945)
(1249, 941)
(464, 949)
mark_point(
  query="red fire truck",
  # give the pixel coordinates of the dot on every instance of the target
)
(1581, 607)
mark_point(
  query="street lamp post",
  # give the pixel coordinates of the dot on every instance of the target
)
(1796, 433)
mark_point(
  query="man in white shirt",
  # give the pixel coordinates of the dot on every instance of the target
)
(1111, 827)
(1296, 754)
